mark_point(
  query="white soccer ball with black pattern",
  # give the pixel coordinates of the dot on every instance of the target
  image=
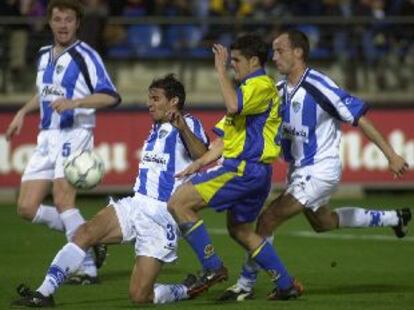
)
(84, 169)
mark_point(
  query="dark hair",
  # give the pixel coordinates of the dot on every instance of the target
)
(298, 39)
(65, 4)
(172, 88)
(251, 45)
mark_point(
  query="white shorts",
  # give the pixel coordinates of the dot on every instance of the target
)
(148, 222)
(52, 149)
(314, 185)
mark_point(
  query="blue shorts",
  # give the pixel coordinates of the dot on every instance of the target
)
(237, 186)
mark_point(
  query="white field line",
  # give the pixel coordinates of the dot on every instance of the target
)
(337, 236)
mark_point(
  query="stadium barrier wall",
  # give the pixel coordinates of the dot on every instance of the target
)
(120, 134)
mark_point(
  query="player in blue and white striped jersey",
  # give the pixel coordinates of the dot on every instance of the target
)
(72, 83)
(172, 144)
(163, 154)
(313, 108)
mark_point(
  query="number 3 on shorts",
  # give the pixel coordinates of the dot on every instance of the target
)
(66, 149)
(170, 232)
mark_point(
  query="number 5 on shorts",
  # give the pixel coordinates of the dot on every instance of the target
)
(66, 149)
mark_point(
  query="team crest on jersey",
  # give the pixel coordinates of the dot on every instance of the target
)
(59, 69)
(349, 100)
(296, 106)
(229, 121)
(208, 250)
(274, 275)
(162, 133)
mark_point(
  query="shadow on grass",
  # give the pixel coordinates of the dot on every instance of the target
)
(115, 275)
(360, 289)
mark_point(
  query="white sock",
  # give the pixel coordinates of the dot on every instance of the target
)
(164, 293)
(250, 269)
(358, 217)
(49, 216)
(72, 219)
(66, 261)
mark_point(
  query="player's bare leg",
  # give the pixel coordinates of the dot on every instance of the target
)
(243, 233)
(31, 195)
(144, 275)
(323, 219)
(104, 227)
(281, 209)
(184, 206)
(64, 196)
(261, 253)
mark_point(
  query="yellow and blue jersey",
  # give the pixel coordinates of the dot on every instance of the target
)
(242, 182)
(251, 133)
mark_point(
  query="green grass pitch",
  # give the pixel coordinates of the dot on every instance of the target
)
(348, 269)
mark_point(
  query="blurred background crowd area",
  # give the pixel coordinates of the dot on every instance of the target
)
(368, 45)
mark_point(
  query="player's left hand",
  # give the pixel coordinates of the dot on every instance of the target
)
(176, 119)
(398, 166)
(62, 104)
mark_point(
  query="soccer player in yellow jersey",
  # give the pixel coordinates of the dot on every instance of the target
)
(241, 183)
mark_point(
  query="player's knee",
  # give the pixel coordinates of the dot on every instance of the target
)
(233, 232)
(324, 222)
(26, 209)
(240, 234)
(323, 225)
(172, 205)
(84, 236)
(60, 203)
(176, 207)
(318, 228)
(265, 225)
(140, 296)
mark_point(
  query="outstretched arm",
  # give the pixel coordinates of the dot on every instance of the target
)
(214, 153)
(18, 120)
(397, 164)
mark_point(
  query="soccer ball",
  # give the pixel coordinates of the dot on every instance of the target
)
(84, 169)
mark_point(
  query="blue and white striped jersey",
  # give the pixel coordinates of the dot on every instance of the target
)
(76, 73)
(311, 117)
(164, 154)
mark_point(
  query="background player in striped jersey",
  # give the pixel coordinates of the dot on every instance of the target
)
(312, 110)
(241, 183)
(173, 142)
(72, 83)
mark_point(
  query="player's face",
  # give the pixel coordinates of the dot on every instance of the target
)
(283, 54)
(159, 105)
(240, 64)
(64, 24)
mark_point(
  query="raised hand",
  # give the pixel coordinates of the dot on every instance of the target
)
(176, 119)
(221, 56)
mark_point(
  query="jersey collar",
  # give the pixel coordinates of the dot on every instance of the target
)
(292, 93)
(253, 74)
(54, 59)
